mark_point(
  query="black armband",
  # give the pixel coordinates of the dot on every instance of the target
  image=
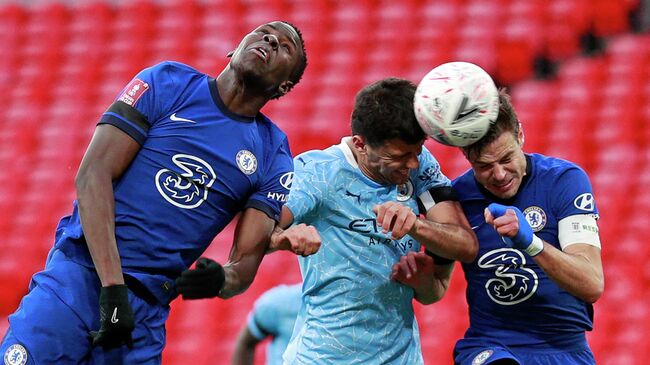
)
(432, 196)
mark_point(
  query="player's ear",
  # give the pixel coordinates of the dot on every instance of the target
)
(359, 143)
(284, 87)
(520, 136)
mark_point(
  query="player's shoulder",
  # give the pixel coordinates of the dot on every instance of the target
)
(464, 180)
(466, 187)
(320, 160)
(553, 167)
(177, 72)
(273, 130)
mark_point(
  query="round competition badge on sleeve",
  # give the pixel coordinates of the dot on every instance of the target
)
(15, 355)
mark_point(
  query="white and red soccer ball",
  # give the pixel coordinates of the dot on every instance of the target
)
(456, 102)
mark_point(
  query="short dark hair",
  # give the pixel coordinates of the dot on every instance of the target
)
(297, 73)
(383, 111)
(507, 121)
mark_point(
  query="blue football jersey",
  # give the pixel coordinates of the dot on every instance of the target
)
(351, 311)
(199, 165)
(511, 299)
(274, 315)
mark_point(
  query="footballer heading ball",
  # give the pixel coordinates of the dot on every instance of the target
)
(456, 102)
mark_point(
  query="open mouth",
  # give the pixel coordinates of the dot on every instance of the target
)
(504, 187)
(262, 53)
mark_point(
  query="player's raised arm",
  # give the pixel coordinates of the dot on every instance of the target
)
(300, 239)
(577, 268)
(445, 230)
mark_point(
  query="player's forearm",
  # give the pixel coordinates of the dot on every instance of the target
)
(447, 240)
(96, 209)
(435, 288)
(239, 275)
(577, 273)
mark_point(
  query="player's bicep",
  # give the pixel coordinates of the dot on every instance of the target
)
(441, 205)
(286, 217)
(252, 234)
(110, 150)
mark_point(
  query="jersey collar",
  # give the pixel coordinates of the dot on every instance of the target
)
(214, 92)
(347, 152)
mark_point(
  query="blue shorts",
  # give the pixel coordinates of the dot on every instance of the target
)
(52, 323)
(475, 353)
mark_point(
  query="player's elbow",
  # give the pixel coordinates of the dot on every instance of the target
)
(471, 249)
(595, 291)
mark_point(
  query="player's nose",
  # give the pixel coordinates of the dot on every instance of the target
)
(271, 40)
(499, 172)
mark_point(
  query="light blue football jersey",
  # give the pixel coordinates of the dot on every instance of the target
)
(352, 312)
(273, 316)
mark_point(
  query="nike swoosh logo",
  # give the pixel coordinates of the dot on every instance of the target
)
(464, 114)
(475, 227)
(114, 318)
(179, 119)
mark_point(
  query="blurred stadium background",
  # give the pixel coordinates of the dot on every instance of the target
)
(578, 70)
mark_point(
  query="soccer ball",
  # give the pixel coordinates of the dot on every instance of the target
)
(456, 102)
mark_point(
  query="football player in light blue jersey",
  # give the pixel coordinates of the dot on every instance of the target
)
(273, 316)
(173, 160)
(364, 196)
(531, 288)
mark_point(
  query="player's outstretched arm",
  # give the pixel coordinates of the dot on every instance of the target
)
(300, 239)
(209, 279)
(419, 271)
(445, 230)
(577, 268)
(109, 154)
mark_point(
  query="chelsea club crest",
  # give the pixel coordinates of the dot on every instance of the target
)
(246, 162)
(536, 217)
(15, 355)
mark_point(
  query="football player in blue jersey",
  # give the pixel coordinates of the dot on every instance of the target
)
(173, 160)
(531, 288)
(273, 316)
(365, 197)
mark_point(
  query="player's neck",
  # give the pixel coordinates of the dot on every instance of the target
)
(237, 97)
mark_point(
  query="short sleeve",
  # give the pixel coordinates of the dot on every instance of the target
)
(308, 189)
(274, 189)
(144, 100)
(429, 174)
(573, 194)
